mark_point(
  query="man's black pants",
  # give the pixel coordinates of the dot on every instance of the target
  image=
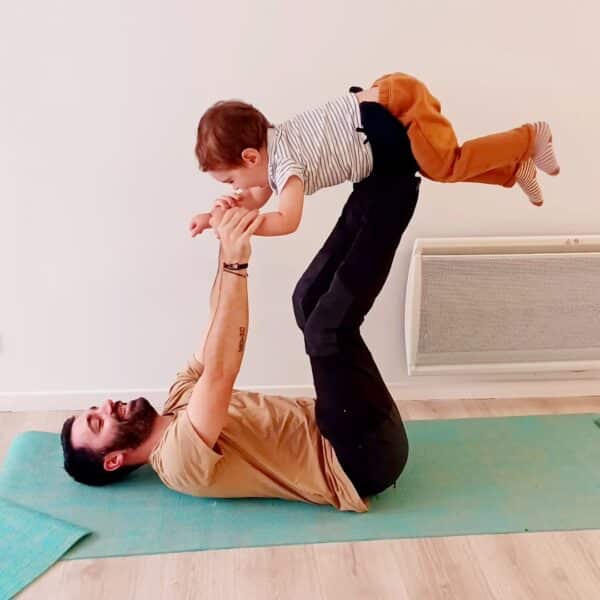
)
(354, 408)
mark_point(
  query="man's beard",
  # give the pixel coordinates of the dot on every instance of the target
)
(134, 430)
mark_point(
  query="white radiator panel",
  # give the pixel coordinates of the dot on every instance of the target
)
(477, 305)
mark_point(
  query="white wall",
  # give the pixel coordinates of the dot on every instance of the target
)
(101, 288)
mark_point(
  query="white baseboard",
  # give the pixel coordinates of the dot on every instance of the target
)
(421, 390)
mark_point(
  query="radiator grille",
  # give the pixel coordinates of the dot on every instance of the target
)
(503, 309)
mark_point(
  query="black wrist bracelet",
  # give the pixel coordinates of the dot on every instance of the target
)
(235, 266)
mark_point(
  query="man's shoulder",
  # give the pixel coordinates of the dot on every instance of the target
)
(174, 406)
(181, 455)
(183, 385)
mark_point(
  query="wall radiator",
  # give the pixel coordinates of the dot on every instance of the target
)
(503, 305)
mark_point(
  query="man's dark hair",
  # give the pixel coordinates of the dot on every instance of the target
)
(86, 465)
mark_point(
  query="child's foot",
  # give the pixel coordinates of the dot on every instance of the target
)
(526, 178)
(543, 153)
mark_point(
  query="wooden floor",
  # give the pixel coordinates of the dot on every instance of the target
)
(539, 566)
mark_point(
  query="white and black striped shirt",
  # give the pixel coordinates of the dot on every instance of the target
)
(321, 146)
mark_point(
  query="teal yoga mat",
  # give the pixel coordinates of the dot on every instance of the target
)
(466, 476)
(30, 542)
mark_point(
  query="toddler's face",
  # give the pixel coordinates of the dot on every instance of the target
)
(251, 173)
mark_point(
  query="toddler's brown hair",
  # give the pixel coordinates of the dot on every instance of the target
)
(225, 130)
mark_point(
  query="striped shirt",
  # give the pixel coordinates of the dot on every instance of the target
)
(321, 146)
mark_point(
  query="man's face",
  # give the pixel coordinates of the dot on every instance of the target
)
(114, 426)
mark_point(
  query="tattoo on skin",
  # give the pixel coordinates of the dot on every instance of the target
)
(242, 339)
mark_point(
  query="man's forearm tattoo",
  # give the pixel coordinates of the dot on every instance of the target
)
(242, 339)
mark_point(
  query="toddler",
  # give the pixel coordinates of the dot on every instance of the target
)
(326, 146)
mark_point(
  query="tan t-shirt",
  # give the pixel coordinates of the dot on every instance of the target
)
(270, 447)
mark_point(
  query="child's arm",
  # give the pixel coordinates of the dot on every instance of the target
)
(199, 223)
(258, 197)
(287, 218)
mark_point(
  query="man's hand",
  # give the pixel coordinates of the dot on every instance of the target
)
(222, 204)
(234, 231)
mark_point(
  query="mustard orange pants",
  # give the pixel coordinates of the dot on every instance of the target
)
(490, 159)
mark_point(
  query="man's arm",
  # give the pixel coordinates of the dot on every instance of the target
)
(287, 218)
(226, 337)
(214, 293)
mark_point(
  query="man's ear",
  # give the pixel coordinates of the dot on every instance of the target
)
(250, 155)
(114, 460)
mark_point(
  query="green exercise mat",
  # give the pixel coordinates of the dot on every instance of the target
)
(464, 476)
(30, 543)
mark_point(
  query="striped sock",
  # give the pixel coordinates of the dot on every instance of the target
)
(527, 181)
(543, 153)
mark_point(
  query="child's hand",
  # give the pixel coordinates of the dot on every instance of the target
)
(227, 201)
(212, 219)
(199, 223)
(245, 199)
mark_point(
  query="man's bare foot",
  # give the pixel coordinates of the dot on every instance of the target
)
(370, 95)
